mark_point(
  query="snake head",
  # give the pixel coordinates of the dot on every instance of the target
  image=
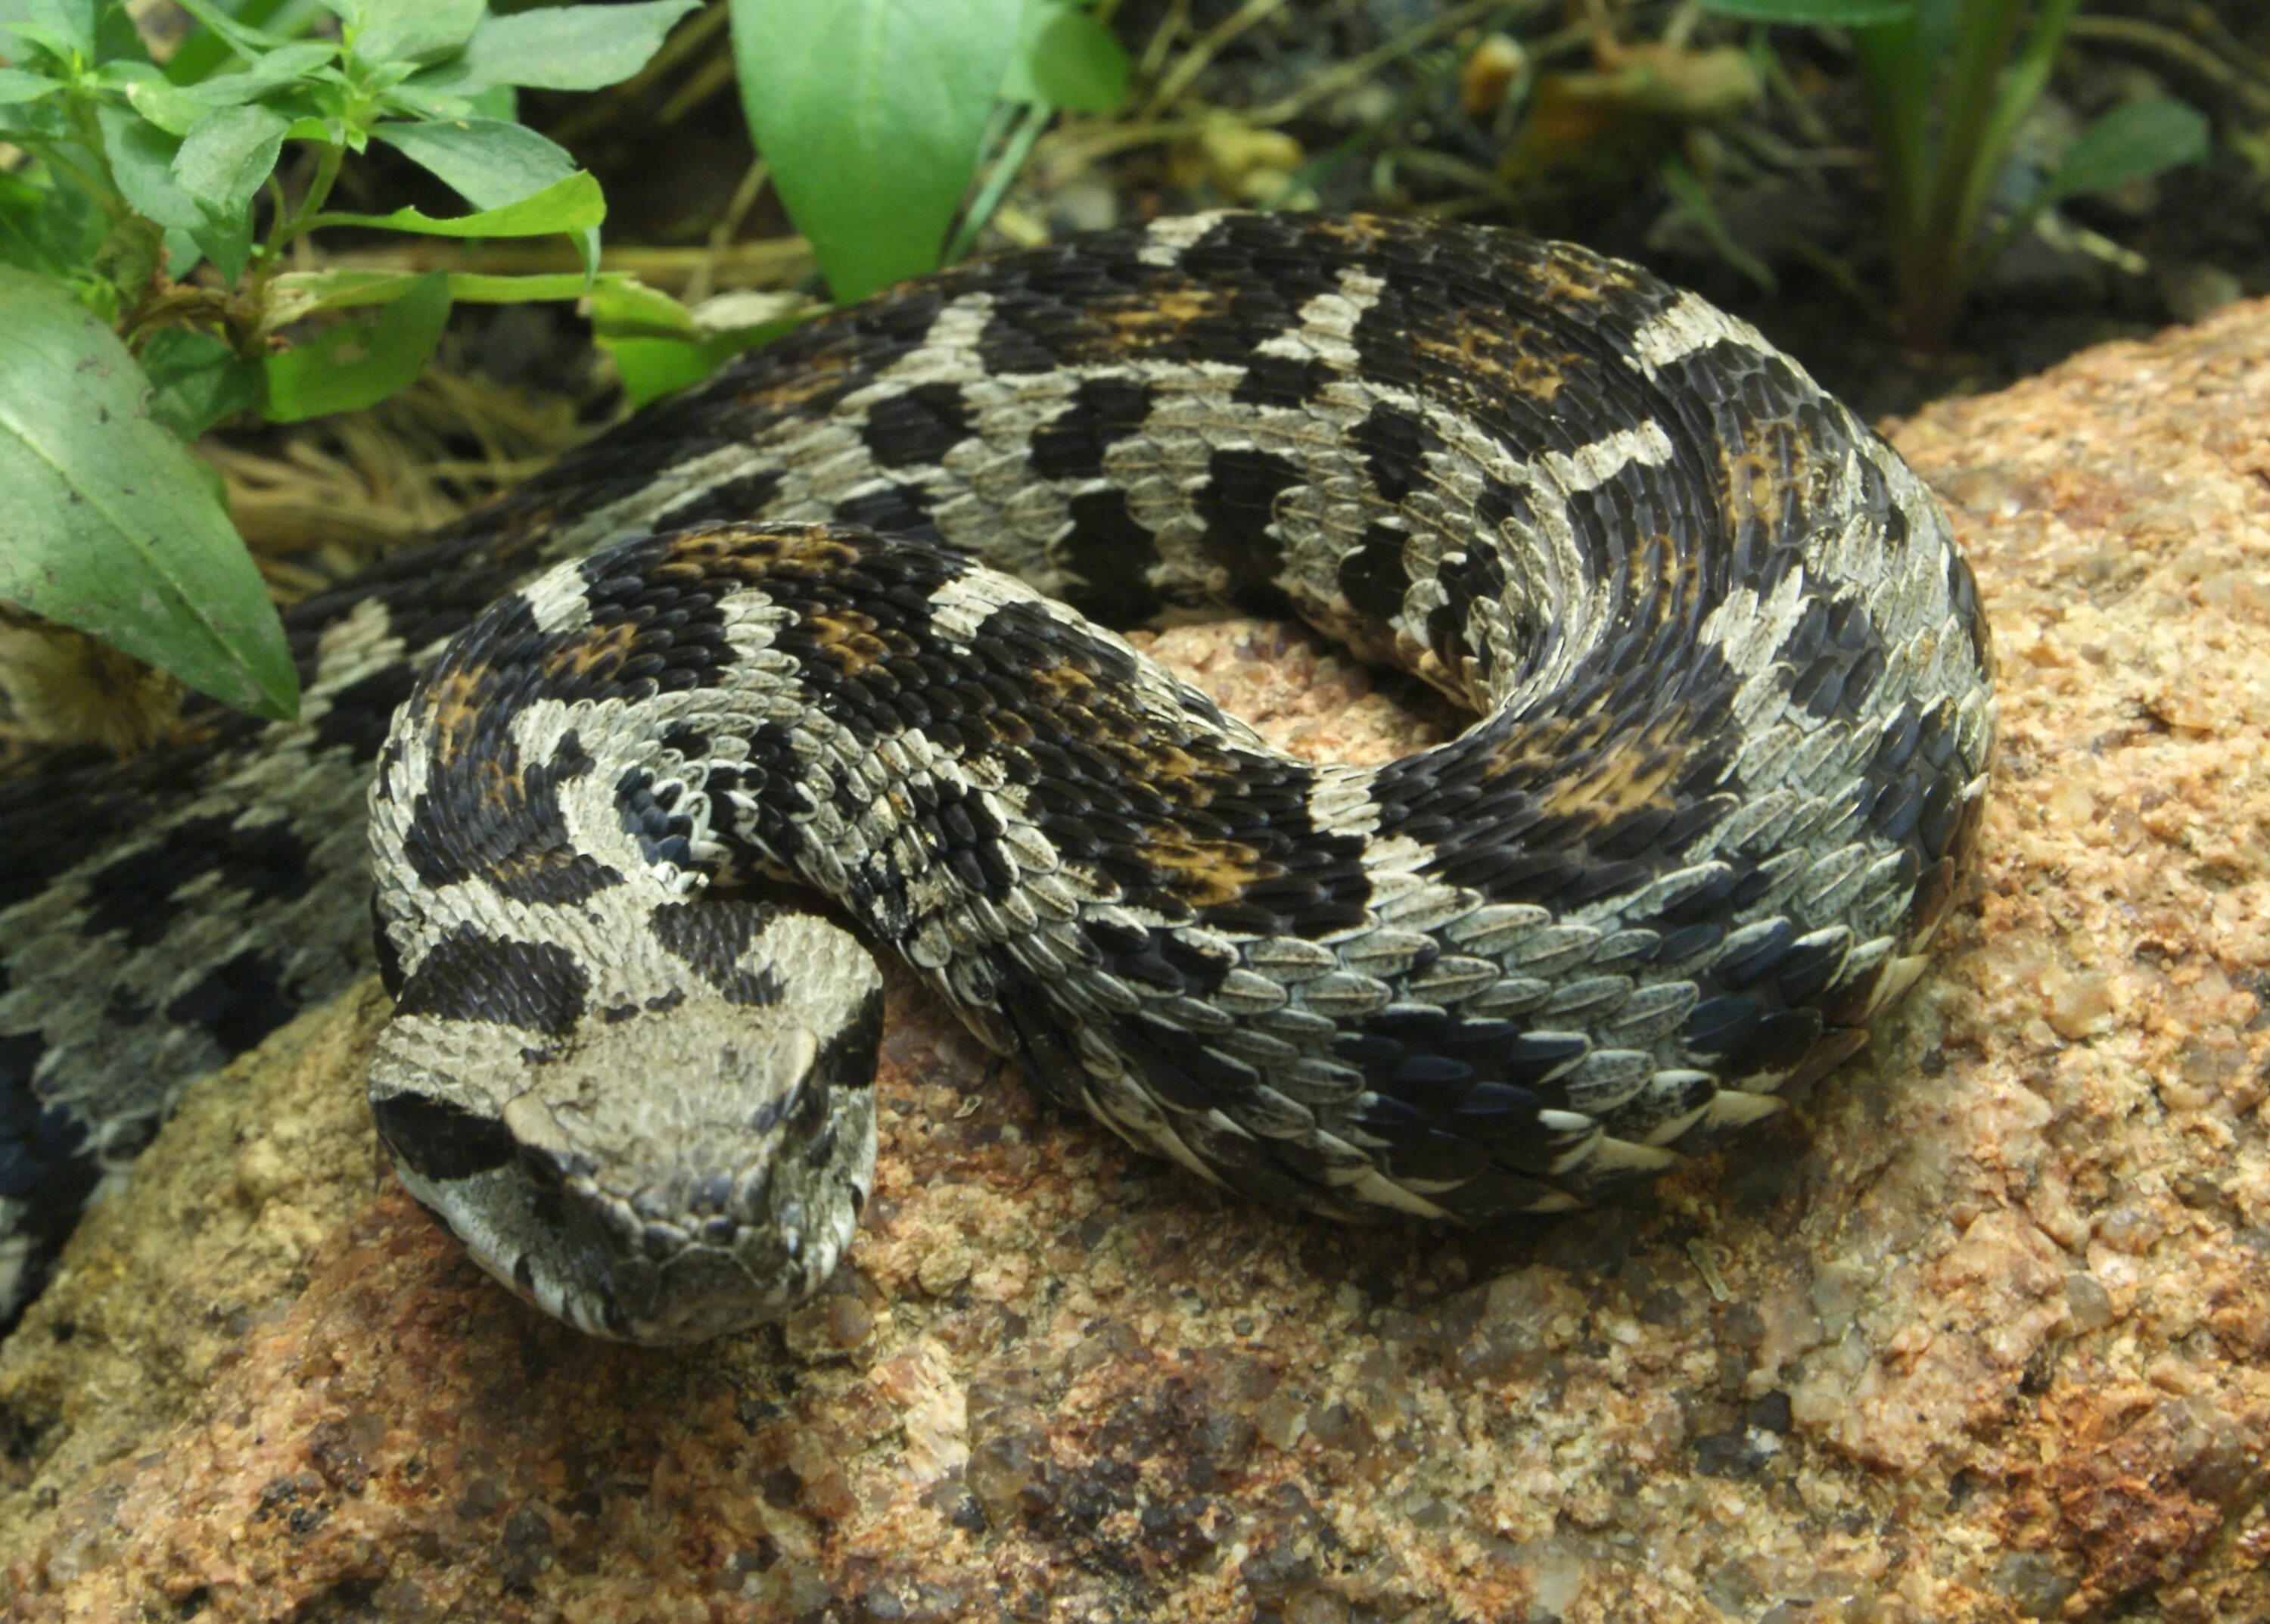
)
(670, 1167)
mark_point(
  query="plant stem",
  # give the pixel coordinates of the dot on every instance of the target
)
(328, 159)
(1961, 169)
(1019, 147)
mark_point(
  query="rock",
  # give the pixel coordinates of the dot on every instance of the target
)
(1981, 1332)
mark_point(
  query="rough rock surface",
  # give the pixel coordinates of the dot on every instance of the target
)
(1982, 1331)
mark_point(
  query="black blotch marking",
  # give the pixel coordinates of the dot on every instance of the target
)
(1722, 1024)
(440, 1139)
(1103, 411)
(1237, 505)
(263, 861)
(712, 936)
(1282, 380)
(507, 829)
(890, 510)
(1111, 555)
(655, 626)
(47, 1166)
(362, 712)
(729, 501)
(1394, 444)
(389, 961)
(1473, 576)
(847, 1056)
(918, 427)
(535, 986)
(650, 815)
(1373, 577)
(1780, 1042)
(240, 1001)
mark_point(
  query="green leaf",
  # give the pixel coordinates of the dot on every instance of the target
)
(166, 105)
(1821, 13)
(247, 42)
(224, 158)
(659, 346)
(66, 27)
(142, 162)
(226, 242)
(47, 223)
(489, 164)
(623, 308)
(413, 29)
(16, 86)
(198, 380)
(359, 364)
(2135, 139)
(206, 52)
(650, 368)
(113, 528)
(562, 47)
(572, 203)
(1066, 58)
(286, 64)
(871, 113)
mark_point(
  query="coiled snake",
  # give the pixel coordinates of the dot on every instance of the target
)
(811, 620)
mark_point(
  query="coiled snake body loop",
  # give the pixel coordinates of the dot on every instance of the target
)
(823, 619)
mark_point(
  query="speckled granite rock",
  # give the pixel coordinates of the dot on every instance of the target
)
(1982, 1332)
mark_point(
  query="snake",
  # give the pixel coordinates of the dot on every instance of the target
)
(623, 780)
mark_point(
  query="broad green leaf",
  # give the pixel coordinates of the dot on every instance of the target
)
(47, 223)
(572, 203)
(411, 30)
(562, 47)
(112, 526)
(247, 40)
(17, 85)
(359, 363)
(62, 26)
(142, 162)
(205, 52)
(622, 308)
(1821, 13)
(198, 380)
(224, 159)
(329, 131)
(173, 109)
(872, 113)
(660, 346)
(1066, 58)
(35, 40)
(489, 164)
(286, 64)
(2135, 139)
(227, 243)
(650, 368)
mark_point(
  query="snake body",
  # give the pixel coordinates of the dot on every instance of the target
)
(824, 619)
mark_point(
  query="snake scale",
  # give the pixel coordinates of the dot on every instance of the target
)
(824, 619)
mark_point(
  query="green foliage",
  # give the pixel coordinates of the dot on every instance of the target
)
(166, 202)
(143, 175)
(1950, 82)
(873, 114)
(113, 526)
